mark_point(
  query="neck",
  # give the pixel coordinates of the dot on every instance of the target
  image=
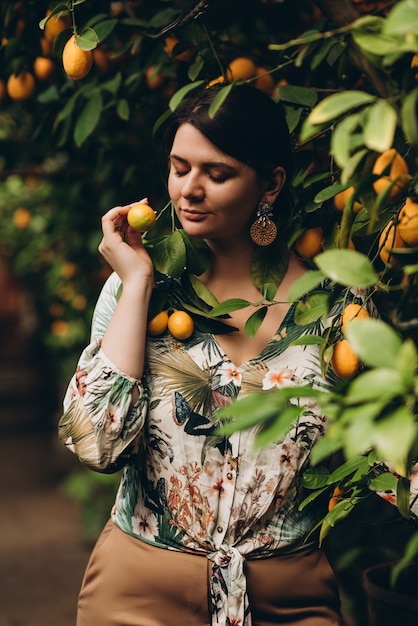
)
(230, 257)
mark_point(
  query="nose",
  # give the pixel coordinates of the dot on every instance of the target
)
(192, 187)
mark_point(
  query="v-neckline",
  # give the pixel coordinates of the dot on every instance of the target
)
(259, 355)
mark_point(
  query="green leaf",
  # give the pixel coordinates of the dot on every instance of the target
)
(278, 427)
(394, 435)
(254, 322)
(88, 118)
(402, 19)
(408, 556)
(233, 304)
(379, 130)
(198, 254)
(88, 39)
(113, 85)
(304, 284)
(403, 495)
(377, 43)
(269, 291)
(329, 192)
(375, 342)
(311, 497)
(177, 98)
(310, 130)
(348, 468)
(406, 363)
(298, 95)
(105, 28)
(384, 482)
(202, 291)
(309, 340)
(195, 68)
(347, 267)
(315, 477)
(359, 431)
(338, 104)
(169, 254)
(219, 99)
(342, 138)
(352, 165)
(57, 9)
(122, 109)
(409, 117)
(311, 308)
(381, 383)
(270, 267)
(246, 412)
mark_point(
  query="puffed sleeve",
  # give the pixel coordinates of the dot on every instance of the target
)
(100, 424)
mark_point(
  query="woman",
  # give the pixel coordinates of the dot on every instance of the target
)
(205, 530)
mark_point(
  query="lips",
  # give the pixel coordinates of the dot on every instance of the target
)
(193, 215)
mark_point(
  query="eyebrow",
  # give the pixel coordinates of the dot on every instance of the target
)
(208, 164)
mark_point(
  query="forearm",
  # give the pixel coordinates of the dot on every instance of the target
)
(124, 340)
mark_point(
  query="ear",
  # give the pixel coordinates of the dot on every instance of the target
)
(274, 184)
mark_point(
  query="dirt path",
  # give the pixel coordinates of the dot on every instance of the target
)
(42, 556)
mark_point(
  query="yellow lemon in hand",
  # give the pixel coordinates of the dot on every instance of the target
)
(141, 217)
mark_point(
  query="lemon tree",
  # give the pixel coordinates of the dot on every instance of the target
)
(345, 72)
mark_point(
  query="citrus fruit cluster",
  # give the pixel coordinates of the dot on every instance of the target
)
(178, 323)
(399, 233)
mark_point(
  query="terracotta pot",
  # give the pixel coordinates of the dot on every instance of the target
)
(387, 606)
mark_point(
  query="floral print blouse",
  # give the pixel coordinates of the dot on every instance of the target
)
(184, 487)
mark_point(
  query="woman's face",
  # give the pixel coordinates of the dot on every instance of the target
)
(214, 195)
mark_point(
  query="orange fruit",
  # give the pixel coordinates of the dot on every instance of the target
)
(79, 302)
(389, 239)
(101, 60)
(153, 78)
(264, 81)
(310, 242)
(22, 218)
(180, 325)
(141, 217)
(158, 324)
(351, 312)
(336, 497)
(390, 166)
(241, 67)
(46, 47)
(21, 86)
(55, 25)
(344, 360)
(408, 222)
(76, 62)
(60, 328)
(414, 65)
(43, 68)
(341, 199)
(215, 81)
(169, 44)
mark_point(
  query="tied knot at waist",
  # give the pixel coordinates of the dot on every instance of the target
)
(231, 562)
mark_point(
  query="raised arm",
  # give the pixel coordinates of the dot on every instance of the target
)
(124, 340)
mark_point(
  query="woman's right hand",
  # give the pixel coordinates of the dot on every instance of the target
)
(123, 249)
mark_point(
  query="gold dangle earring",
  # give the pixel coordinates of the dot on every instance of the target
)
(263, 230)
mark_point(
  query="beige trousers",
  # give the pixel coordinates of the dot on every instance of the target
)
(130, 583)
